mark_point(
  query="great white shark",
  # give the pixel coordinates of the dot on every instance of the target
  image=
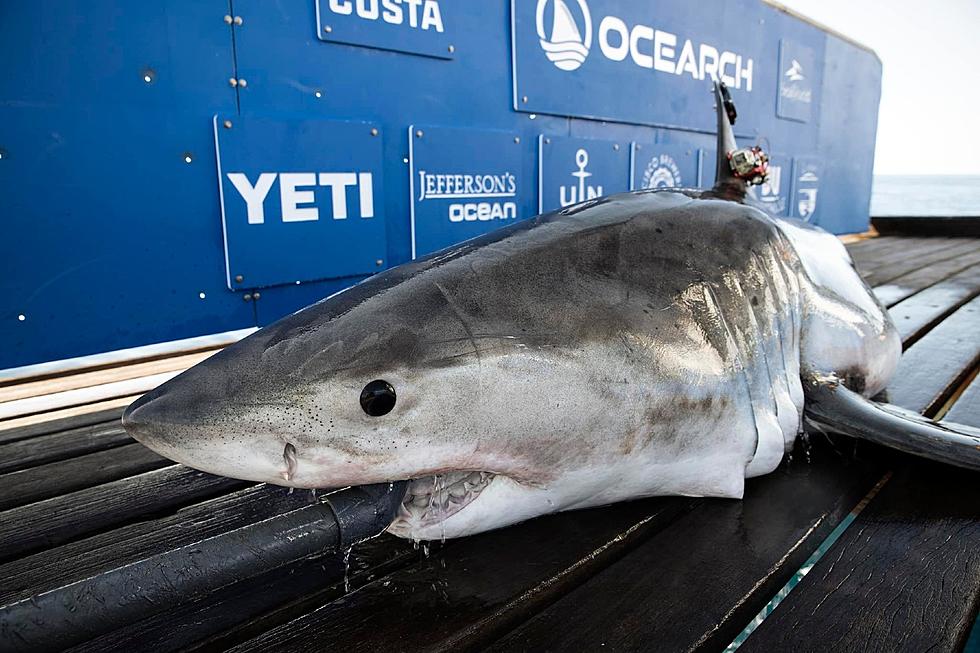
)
(664, 342)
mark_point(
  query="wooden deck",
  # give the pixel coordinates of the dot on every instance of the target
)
(78, 497)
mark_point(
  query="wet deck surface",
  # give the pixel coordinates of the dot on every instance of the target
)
(78, 497)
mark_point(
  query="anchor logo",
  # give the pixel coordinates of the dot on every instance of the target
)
(579, 193)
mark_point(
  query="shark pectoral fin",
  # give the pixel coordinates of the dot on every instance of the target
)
(832, 406)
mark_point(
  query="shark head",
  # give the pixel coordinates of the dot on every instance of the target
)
(402, 377)
(482, 375)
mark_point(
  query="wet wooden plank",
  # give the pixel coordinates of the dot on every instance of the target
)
(246, 609)
(940, 359)
(71, 516)
(48, 427)
(150, 535)
(913, 282)
(966, 410)
(919, 313)
(50, 480)
(905, 259)
(904, 577)
(694, 586)
(477, 587)
(42, 449)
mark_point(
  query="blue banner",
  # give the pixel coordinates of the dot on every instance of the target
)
(806, 182)
(664, 166)
(300, 200)
(464, 183)
(573, 170)
(638, 62)
(414, 26)
(799, 81)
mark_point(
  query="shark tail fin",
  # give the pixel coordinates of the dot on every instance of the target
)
(832, 406)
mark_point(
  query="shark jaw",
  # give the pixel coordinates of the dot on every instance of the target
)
(431, 500)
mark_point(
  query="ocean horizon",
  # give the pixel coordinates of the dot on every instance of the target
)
(925, 196)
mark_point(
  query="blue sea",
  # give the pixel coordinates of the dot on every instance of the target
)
(925, 195)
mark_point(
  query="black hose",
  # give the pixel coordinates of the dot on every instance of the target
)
(81, 610)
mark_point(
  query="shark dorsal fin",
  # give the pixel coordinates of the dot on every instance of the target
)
(727, 184)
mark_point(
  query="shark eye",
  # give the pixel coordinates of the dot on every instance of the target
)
(378, 398)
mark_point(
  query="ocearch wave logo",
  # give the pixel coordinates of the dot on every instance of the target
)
(567, 38)
(565, 44)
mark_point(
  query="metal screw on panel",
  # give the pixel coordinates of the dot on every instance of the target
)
(517, 139)
(188, 157)
(149, 75)
(318, 93)
(524, 99)
(247, 297)
(227, 19)
(233, 81)
(452, 48)
(242, 83)
(547, 141)
(3, 155)
(239, 278)
(418, 134)
(238, 20)
(379, 262)
(615, 146)
(227, 124)
(532, 116)
(256, 296)
(327, 29)
(374, 131)
(21, 317)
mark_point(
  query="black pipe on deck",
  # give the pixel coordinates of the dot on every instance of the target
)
(84, 609)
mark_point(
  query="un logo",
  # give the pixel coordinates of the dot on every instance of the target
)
(564, 44)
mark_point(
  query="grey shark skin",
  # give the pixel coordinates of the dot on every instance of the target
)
(643, 344)
(650, 343)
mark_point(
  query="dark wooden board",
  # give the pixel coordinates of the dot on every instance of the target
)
(694, 586)
(42, 449)
(71, 516)
(149, 535)
(110, 415)
(904, 577)
(477, 587)
(930, 369)
(920, 312)
(905, 261)
(966, 410)
(251, 607)
(913, 282)
(931, 226)
(891, 251)
(46, 481)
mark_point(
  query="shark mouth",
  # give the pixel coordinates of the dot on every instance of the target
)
(432, 500)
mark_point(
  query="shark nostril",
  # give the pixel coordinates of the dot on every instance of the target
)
(289, 457)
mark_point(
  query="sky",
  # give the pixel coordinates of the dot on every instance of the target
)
(929, 120)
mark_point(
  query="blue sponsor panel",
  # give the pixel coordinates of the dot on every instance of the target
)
(799, 82)
(573, 170)
(464, 183)
(109, 251)
(300, 199)
(664, 166)
(772, 196)
(622, 60)
(806, 186)
(413, 26)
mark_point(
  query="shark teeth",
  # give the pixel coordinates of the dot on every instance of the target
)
(433, 499)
